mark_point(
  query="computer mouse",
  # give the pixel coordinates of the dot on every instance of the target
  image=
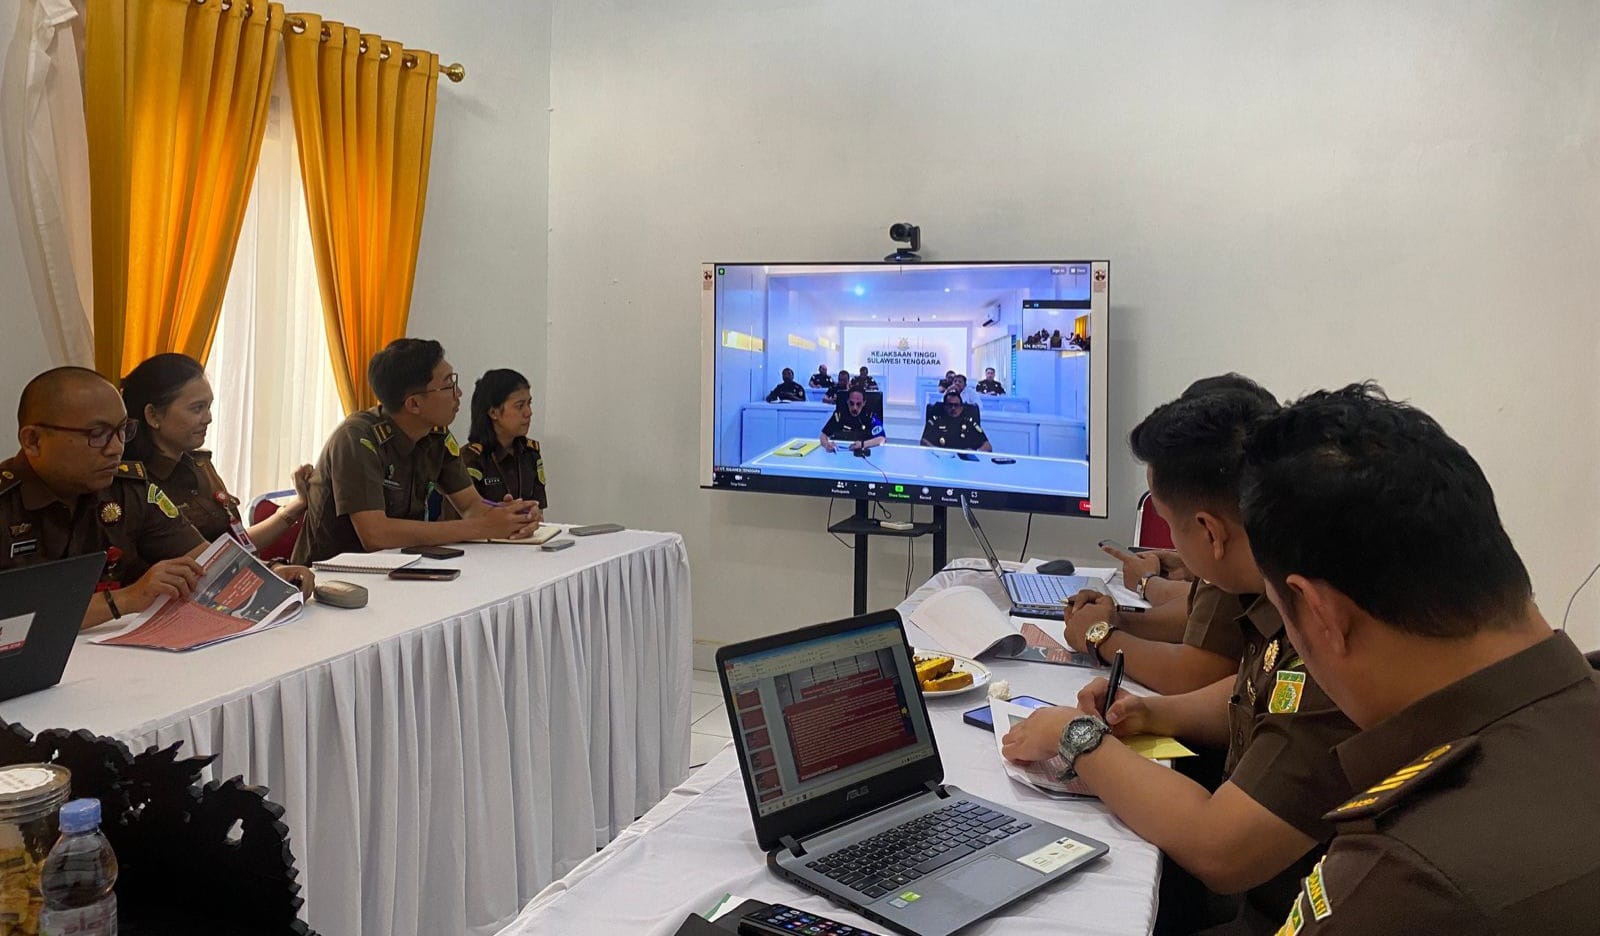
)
(1057, 567)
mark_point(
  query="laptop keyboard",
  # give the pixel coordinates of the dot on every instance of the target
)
(893, 859)
(1048, 590)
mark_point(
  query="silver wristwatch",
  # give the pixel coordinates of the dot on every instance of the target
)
(1082, 735)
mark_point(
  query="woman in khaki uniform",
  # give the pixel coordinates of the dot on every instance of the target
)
(171, 398)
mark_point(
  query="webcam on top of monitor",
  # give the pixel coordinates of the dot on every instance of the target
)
(904, 232)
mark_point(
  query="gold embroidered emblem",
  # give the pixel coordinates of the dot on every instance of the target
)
(1271, 658)
(110, 513)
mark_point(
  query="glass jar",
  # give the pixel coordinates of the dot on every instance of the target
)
(30, 799)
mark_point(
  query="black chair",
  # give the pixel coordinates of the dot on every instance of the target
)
(193, 860)
(1593, 656)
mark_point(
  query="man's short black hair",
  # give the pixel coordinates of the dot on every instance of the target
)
(1194, 446)
(1374, 498)
(1229, 381)
(35, 403)
(402, 368)
(788, 372)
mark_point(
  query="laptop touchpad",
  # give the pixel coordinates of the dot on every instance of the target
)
(989, 877)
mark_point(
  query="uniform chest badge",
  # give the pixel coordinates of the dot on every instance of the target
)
(111, 513)
(20, 529)
(1271, 658)
(162, 502)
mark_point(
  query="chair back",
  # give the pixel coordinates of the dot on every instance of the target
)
(283, 547)
(1149, 530)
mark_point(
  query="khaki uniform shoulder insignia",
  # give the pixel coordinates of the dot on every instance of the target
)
(474, 448)
(450, 444)
(1383, 796)
(8, 480)
(382, 432)
(133, 470)
(534, 443)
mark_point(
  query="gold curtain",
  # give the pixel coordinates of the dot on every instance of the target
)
(363, 111)
(175, 104)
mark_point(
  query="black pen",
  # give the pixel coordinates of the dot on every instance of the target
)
(1113, 683)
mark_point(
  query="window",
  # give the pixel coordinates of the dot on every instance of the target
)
(269, 366)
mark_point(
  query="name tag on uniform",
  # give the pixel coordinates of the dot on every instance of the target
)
(492, 480)
(22, 548)
(391, 484)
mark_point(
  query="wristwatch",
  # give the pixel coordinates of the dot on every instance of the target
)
(1082, 735)
(1144, 582)
(1096, 635)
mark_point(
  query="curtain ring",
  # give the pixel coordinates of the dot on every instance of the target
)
(410, 61)
(297, 25)
(227, 5)
(363, 47)
(383, 54)
(326, 32)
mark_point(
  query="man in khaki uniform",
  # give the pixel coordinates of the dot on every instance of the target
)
(371, 486)
(1478, 763)
(1257, 833)
(68, 492)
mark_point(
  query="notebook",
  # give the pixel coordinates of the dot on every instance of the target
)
(545, 533)
(380, 563)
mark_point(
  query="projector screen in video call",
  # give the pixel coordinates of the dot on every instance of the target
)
(1030, 436)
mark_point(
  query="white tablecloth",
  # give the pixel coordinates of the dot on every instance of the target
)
(698, 843)
(445, 752)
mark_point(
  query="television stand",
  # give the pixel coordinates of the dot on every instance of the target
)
(861, 525)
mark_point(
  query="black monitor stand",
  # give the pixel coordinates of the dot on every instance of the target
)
(861, 526)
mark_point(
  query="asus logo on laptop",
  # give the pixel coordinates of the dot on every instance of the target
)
(858, 792)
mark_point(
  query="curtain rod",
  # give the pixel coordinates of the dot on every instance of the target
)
(455, 71)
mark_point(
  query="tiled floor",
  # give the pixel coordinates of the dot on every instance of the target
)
(710, 731)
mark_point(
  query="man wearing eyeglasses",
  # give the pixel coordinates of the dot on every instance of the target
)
(371, 486)
(68, 492)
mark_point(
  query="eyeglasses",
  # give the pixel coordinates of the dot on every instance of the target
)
(99, 436)
(450, 383)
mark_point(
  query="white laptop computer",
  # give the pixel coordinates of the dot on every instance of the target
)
(1032, 595)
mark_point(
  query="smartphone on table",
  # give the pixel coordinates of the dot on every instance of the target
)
(434, 552)
(982, 717)
(425, 574)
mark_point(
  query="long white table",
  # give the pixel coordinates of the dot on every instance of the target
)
(445, 752)
(698, 843)
(934, 467)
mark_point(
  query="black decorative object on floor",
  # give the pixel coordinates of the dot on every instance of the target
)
(193, 859)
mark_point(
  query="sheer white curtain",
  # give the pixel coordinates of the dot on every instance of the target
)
(269, 366)
(47, 159)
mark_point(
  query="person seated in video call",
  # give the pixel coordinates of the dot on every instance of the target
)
(820, 379)
(958, 385)
(788, 391)
(988, 386)
(944, 383)
(837, 391)
(855, 425)
(863, 381)
(370, 489)
(953, 426)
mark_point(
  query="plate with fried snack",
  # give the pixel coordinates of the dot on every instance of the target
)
(947, 674)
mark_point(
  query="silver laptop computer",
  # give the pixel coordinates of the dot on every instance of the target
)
(846, 787)
(1032, 595)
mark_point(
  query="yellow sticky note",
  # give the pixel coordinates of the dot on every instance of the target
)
(1156, 747)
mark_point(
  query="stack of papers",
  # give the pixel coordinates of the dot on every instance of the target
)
(1008, 715)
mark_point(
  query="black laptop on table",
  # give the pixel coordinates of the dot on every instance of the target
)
(41, 608)
(846, 787)
(1032, 594)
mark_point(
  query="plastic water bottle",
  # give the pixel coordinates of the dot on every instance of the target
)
(79, 875)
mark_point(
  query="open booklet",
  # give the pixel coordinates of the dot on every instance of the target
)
(1008, 715)
(236, 595)
(964, 620)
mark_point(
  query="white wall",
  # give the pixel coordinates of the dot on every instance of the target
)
(1306, 193)
(480, 285)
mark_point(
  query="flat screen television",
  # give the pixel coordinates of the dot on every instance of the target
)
(1025, 430)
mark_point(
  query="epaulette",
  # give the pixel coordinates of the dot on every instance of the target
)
(474, 448)
(382, 432)
(8, 480)
(450, 443)
(1383, 796)
(132, 471)
(534, 443)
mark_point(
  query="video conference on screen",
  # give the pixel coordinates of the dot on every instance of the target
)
(810, 730)
(1019, 334)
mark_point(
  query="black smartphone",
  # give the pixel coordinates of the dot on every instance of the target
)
(981, 717)
(966, 456)
(434, 552)
(425, 574)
